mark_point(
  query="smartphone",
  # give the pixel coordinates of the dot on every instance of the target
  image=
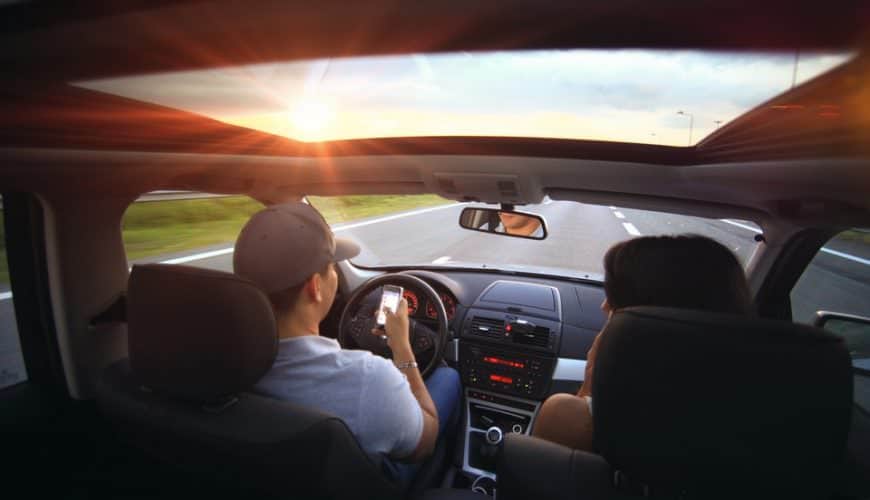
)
(389, 300)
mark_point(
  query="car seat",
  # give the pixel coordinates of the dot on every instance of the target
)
(198, 340)
(692, 404)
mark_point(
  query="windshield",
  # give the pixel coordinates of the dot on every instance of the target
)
(656, 97)
(578, 236)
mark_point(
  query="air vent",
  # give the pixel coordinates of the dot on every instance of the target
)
(539, 337)
(487, 327)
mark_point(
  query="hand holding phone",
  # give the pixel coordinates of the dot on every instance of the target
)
(389, 300)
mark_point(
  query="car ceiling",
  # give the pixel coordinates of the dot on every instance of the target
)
(826, 120)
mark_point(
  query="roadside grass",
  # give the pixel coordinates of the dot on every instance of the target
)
(857, 235)
(4, 267)
(163, 227)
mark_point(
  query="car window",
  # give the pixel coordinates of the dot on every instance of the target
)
(195, 229)
(578, 235)
(200, 229)
(837, 279)
(12, 369)
(665, 97)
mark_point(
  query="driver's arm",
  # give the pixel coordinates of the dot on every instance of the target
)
(396, 329)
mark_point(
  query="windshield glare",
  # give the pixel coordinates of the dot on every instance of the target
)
(578, 235)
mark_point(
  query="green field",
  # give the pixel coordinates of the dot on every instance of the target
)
(157, 228)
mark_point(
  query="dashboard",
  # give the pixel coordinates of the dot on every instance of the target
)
(490, 309)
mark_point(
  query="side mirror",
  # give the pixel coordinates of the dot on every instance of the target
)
(855, 331)
(503, 222)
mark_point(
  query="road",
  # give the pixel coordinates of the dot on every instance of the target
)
(578, 237)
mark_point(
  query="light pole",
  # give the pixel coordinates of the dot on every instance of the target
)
(718, 124)
(691, 123)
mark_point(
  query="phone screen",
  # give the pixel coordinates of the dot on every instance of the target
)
(389, 300)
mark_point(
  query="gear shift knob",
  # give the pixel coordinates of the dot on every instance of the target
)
(494, 436)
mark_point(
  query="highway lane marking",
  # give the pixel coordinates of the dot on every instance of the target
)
(847, 256)
(842, 255)
(629, 227)
(198, 256)
(229, 250)
(744, 226)
(618, 215)
(442, 260)
(393, 217)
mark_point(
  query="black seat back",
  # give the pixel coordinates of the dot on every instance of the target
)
(704, 405)
(197, 340)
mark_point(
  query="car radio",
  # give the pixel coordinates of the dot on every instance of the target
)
(507, 372)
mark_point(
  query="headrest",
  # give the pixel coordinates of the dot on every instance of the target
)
(198, 334)
(695, 400)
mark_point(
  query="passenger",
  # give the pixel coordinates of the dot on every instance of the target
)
(290, 252)
(692, 272)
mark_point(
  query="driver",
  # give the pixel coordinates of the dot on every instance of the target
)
(289, 251)
(520, 225)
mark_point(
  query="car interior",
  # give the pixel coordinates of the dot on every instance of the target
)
(139, 373)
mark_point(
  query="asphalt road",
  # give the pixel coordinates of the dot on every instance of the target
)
(578, 237)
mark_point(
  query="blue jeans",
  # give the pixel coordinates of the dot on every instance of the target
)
(446, 391)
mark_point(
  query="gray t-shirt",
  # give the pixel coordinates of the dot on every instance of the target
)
(366, 391)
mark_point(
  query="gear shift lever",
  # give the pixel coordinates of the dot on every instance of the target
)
(489, 451)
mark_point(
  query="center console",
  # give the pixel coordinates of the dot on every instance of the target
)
(507, 354)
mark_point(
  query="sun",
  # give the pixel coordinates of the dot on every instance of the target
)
(310, 117)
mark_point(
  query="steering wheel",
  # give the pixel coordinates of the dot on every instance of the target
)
(358, 319)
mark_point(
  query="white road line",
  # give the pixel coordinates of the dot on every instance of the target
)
(629, 227)
(612, 207)
(744, 226)
(198, 256)
(228, 250)
(442, 260)
(853, 258)
(393, 217)
(618, 215)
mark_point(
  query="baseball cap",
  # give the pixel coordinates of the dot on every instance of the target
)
(282, 245)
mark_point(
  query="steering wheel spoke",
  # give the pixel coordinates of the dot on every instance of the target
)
(423, 338)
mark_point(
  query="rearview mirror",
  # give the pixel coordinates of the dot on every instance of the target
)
(504, 222)
(855, 331)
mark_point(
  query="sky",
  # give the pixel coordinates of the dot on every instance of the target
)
(611, 95)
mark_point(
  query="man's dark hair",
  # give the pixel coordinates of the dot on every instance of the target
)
(283, 300)
(687, 271)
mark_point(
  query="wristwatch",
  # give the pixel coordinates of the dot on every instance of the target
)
(406, 365)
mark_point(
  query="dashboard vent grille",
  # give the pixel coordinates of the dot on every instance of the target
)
(487, 327)
(540, 337)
